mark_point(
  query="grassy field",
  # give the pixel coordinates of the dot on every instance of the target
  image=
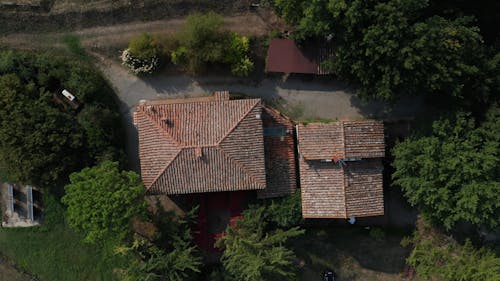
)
(54, 252)
(352, 253)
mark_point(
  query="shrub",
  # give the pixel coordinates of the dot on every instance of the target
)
(143, 54)
(144, 46)
(140, 66)
(377, 233)
(202, 42)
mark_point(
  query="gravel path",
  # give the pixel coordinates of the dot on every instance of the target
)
(303, 99)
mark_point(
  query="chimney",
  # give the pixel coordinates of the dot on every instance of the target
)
(221, 95)
(198, 152)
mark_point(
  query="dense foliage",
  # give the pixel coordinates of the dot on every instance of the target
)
(437, 257)
(42, 140)
(170, 255)
(389, 48)
(203, 43)
(253, 252)
(454, 174)
(102, 200)
(285, 212)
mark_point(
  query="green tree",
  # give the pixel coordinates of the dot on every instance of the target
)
(170, 255)
(102, 200)
(453, 175)
(42, 139)
(252, 253)
(37, 141)
(154, 263)
(437, 257)
(392, 48)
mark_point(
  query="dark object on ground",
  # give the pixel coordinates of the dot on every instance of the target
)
(329, 275)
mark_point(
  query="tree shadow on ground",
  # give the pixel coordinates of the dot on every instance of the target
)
(352, 252)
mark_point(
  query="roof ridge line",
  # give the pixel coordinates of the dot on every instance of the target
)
(187, 100)
(239, 121)
(342, 130)
(164, 169)
(242, 167)
(161, 128)
(343, 190)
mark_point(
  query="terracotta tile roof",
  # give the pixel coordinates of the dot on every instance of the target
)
(342, 139)
(279, 146)
(201, 145)
(364, 139)
(332, 185)
(331, 190)
(321, 140)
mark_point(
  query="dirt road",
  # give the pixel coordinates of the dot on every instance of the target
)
(253, 24)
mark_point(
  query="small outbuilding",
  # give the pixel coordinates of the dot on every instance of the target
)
(285, 56)
(340, 166)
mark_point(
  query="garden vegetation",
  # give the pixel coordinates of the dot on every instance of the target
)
(201, 44)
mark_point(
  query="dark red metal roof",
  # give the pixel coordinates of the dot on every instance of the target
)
(284, 56)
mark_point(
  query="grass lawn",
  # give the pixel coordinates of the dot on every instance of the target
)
(352, 253)
(54, 252)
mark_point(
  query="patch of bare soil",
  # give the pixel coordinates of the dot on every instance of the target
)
(111, 37)
(10, 273)
(68, 15)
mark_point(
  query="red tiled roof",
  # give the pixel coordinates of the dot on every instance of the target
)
(201, 145)
(347, 188)
(281, 174)
(284, 56)
(343, 139)
(331, 190)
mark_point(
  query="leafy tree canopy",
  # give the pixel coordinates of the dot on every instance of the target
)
(43, 141)
(437, 257)
(390, 48)
(102, 200)
(454, 174)
(253, 253)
